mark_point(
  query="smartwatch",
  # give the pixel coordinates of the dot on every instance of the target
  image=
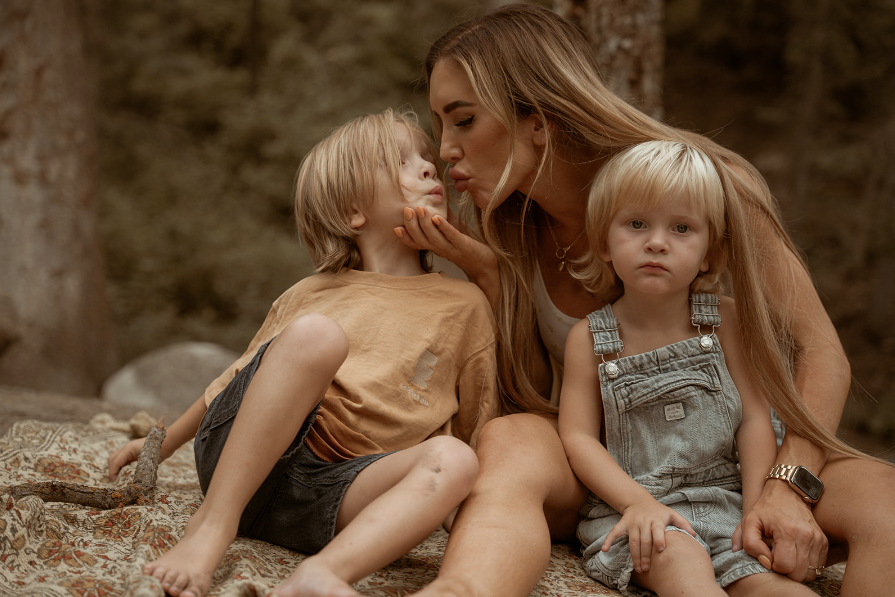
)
(802, 481)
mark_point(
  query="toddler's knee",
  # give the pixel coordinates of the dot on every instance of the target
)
(317, 337)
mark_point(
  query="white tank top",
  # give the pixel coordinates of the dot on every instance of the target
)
(553, 324)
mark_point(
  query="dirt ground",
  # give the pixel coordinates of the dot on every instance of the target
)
(19, 404)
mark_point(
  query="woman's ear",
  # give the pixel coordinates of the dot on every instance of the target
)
(356, 219)
(540, 129)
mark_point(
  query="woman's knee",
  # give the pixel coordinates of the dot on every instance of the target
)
(312, 340)
(857, 504)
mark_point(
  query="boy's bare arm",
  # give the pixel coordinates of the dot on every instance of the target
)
(180, 432)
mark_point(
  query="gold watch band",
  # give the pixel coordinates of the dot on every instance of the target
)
(786, 472)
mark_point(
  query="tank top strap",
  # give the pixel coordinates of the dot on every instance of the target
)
(704, 309)
(604, 327)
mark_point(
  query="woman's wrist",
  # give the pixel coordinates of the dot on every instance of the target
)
(797, 450)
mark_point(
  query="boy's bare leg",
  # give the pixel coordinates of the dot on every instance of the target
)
(391, 506)
(292, 377)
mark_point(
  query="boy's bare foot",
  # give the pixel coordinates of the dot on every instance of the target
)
(186, 569)
(311, 579)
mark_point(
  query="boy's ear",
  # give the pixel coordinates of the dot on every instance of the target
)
(356, 219)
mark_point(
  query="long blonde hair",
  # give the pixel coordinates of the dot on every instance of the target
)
(339, 173)
(522, 59)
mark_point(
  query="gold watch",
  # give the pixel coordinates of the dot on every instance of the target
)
(802, 481)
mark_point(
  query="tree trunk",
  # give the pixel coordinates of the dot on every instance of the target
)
(629, 43)
(55, 326)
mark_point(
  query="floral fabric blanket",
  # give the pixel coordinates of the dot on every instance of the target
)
(57, 549)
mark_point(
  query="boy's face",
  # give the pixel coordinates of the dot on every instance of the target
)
(419, 182)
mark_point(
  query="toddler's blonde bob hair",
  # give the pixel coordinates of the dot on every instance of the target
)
(339, 175)
(643, 176)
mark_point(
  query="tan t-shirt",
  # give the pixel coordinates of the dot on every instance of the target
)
(421, 360)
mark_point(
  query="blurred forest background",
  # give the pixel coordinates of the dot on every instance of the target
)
(207, 107)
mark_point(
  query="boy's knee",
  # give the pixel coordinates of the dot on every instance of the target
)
(449, 457)
(315, 336)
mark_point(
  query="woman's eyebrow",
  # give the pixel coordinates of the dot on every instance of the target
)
(456, 104)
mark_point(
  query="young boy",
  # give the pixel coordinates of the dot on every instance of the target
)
(338, 432)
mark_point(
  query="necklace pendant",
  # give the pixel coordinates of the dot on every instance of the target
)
(561, 266)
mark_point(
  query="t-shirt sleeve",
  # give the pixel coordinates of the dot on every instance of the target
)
(476, 394)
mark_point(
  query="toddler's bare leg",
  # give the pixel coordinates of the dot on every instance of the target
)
(684, 568)
(291, 379)
(393, 505)
(769, 584)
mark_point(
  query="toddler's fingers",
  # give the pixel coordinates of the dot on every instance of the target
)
(658, 536)
(616, 532)
(646, 548)
(682, 523)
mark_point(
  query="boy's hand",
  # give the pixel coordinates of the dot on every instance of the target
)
(123, 455)
(644, 523)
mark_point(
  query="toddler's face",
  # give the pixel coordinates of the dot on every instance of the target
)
(420, 186)
(658, 250)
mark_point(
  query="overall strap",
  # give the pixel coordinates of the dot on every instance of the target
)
(704, 309)
(604, 326)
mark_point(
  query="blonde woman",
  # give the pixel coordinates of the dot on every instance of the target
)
(525, 122)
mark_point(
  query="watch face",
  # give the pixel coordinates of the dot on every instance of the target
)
(807, 482)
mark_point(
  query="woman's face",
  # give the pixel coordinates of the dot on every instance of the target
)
(475, 142)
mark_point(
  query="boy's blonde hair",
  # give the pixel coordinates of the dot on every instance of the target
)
(339, 175)
(643, 176)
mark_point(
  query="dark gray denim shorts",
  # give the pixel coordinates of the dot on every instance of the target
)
(297, 504)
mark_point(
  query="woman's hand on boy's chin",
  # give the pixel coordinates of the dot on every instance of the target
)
(441, 236)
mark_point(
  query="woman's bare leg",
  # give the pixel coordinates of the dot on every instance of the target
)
(393, 505)
(857, 510)
(291, 379)
(525, 494)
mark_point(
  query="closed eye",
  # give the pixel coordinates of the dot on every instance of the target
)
(465, 122)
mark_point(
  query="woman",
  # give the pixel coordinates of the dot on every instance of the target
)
(525, 122)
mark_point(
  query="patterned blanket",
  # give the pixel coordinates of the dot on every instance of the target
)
(55, 549)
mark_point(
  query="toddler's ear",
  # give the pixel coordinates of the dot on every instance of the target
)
(356, 219)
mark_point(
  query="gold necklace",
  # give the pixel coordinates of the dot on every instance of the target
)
(561, 251)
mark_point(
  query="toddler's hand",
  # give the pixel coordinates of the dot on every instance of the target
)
(123, 455)
(644, 523)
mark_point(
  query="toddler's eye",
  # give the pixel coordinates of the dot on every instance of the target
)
(682, 228)
(636, 224)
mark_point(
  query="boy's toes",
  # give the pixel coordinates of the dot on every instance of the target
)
(174, 582)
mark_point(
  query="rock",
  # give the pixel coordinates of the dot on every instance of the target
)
(170, 379)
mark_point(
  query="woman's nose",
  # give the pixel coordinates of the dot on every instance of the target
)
(448, 151)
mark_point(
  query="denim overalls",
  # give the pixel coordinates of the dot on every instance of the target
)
(670, 417)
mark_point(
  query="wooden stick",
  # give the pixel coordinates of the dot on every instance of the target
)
(139, 491)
